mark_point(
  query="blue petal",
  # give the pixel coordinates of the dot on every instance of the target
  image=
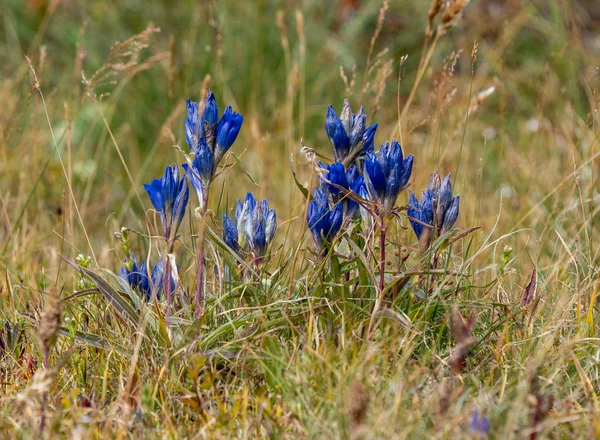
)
(197, 179)
(393, 187)
(181, 201)
(334, 223)
(203, 162)
(337, 176)
(320, 197)
(271, 225)
(357, 186)
(316, 220)
(251, 201)
(154, 190)
(193, 128)
(230, 233)
(351, 175)
(427, 207)
(393, 157)
(414, 211)
(445, 196)
(451, 214)
(124, 273)
(211, 111)
(259, 240)
(337, 134)
(358, 128)
(227, 132)
(375, 178)
(407, 167)
(239, 206)
(369, 139)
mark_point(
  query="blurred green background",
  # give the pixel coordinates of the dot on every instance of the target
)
(278, 63)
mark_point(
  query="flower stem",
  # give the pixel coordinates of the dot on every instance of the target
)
(167, 284)
(200, 286)
(379, 300)
(382, 263)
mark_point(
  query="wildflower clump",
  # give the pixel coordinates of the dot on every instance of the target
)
(437, 210)
(169, 196)
(253, 229)
(148, 285)
(350, 137)
(386, 174)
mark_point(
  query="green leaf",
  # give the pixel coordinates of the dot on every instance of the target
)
(114, 297)
(302, 189)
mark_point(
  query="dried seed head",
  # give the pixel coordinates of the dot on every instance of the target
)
(452, 12)
(436, 7)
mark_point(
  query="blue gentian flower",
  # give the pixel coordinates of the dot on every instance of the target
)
(348, 133)
(253, 228)
(365, 215)
(139, 279)
(437, 208)
(201, 172)
(323, 221)
(169, 196)
(386, 174)
(230, 233)
(480, 426)
(193, 128)
(334, 178)
(227, 132)
(420, 214)
(356, 184)
(219, 135)
(369, 139)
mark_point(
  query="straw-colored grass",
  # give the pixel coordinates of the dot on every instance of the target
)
(503, 95)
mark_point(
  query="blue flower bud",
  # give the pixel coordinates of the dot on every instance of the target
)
(359, 122)
(386, 174)
(140, 280)
(348, 133)
(451, 214)
(211, 111)
(230, 233)
(337, 135)
(324, 223)
(254, 227)
(193, 127)
(227, 132)
(369, 139)
(445, 196)
(169, 196)
(414, 214)
(200, 173)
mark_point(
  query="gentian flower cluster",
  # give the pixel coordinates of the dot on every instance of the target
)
(437, 210)
(169, 196)
(358, 172)
(323, 220)
(348, 134)
(253, 229)
(386, 174)
(139, 279)
(209, 139)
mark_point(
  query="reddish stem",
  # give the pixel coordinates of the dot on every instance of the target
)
(200, 286)
(167, 284)
(382, 264)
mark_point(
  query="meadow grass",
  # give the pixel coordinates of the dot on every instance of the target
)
(505, 99)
